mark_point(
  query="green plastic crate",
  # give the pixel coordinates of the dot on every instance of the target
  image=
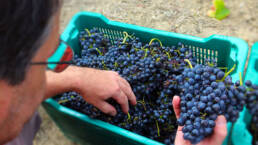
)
(227, 51)
(243, 123)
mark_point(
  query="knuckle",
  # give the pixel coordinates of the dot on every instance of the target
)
(115, 73)
(105, 108)
(124, 99)
(116, 90)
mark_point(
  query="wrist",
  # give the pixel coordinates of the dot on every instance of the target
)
(75, 74)
(72, 77)
(68, 80)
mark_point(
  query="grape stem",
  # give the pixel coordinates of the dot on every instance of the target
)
(240, 79)
(210, 64)
(126, 35)
(178, 51)
(136, 49)
(203, 115)
(143, 104)
(104, 65)
(169, 57)
(100, 53)
(152, 52)
(189, 63)
(157, 124)
(227, 73)
(153, 39)
(87, 30)
(225, 68)
(64, 101)
(146, 50)
(116, 64)
(129, 116)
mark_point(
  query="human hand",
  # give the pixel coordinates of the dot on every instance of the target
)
(97, 86)
(217, 137)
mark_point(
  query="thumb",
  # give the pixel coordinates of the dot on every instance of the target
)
(176, 105)
(220, 130)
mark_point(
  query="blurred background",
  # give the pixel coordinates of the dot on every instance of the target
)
(180, 16)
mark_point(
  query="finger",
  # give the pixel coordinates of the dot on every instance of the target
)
(125, 86)
(176, 106)
(106, 108)
(123, 101)
(220, 130)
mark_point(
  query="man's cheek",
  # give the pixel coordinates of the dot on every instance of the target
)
(5, 108)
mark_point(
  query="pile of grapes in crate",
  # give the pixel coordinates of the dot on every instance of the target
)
(156, 73)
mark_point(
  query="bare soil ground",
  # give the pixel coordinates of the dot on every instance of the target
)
(180, 16)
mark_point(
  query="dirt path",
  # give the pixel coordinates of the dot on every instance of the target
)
(180, 16)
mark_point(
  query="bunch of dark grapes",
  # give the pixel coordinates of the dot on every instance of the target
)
(252, 106)
(207, 92)
(156, 73)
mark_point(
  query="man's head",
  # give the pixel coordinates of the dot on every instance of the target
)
(29, 32)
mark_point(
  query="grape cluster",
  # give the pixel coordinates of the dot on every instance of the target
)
(207, 92)
(157, 73)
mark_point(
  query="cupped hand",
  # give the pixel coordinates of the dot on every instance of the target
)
(217, 138)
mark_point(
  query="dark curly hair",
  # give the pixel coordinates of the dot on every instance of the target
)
(23, 28)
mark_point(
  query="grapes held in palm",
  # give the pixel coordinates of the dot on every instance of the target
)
(204, 96)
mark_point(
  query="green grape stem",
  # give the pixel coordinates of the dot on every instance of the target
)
(87, 30)
(146, 52)
(167, 53)
(153, 39)
(226, 74)
(129, 116)
(225, 68)
(240, 79)
(126, 35)
(189, 63)
(100, 53)
(143, 104)
(104, 65)
(157, 125)
(64, 101)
